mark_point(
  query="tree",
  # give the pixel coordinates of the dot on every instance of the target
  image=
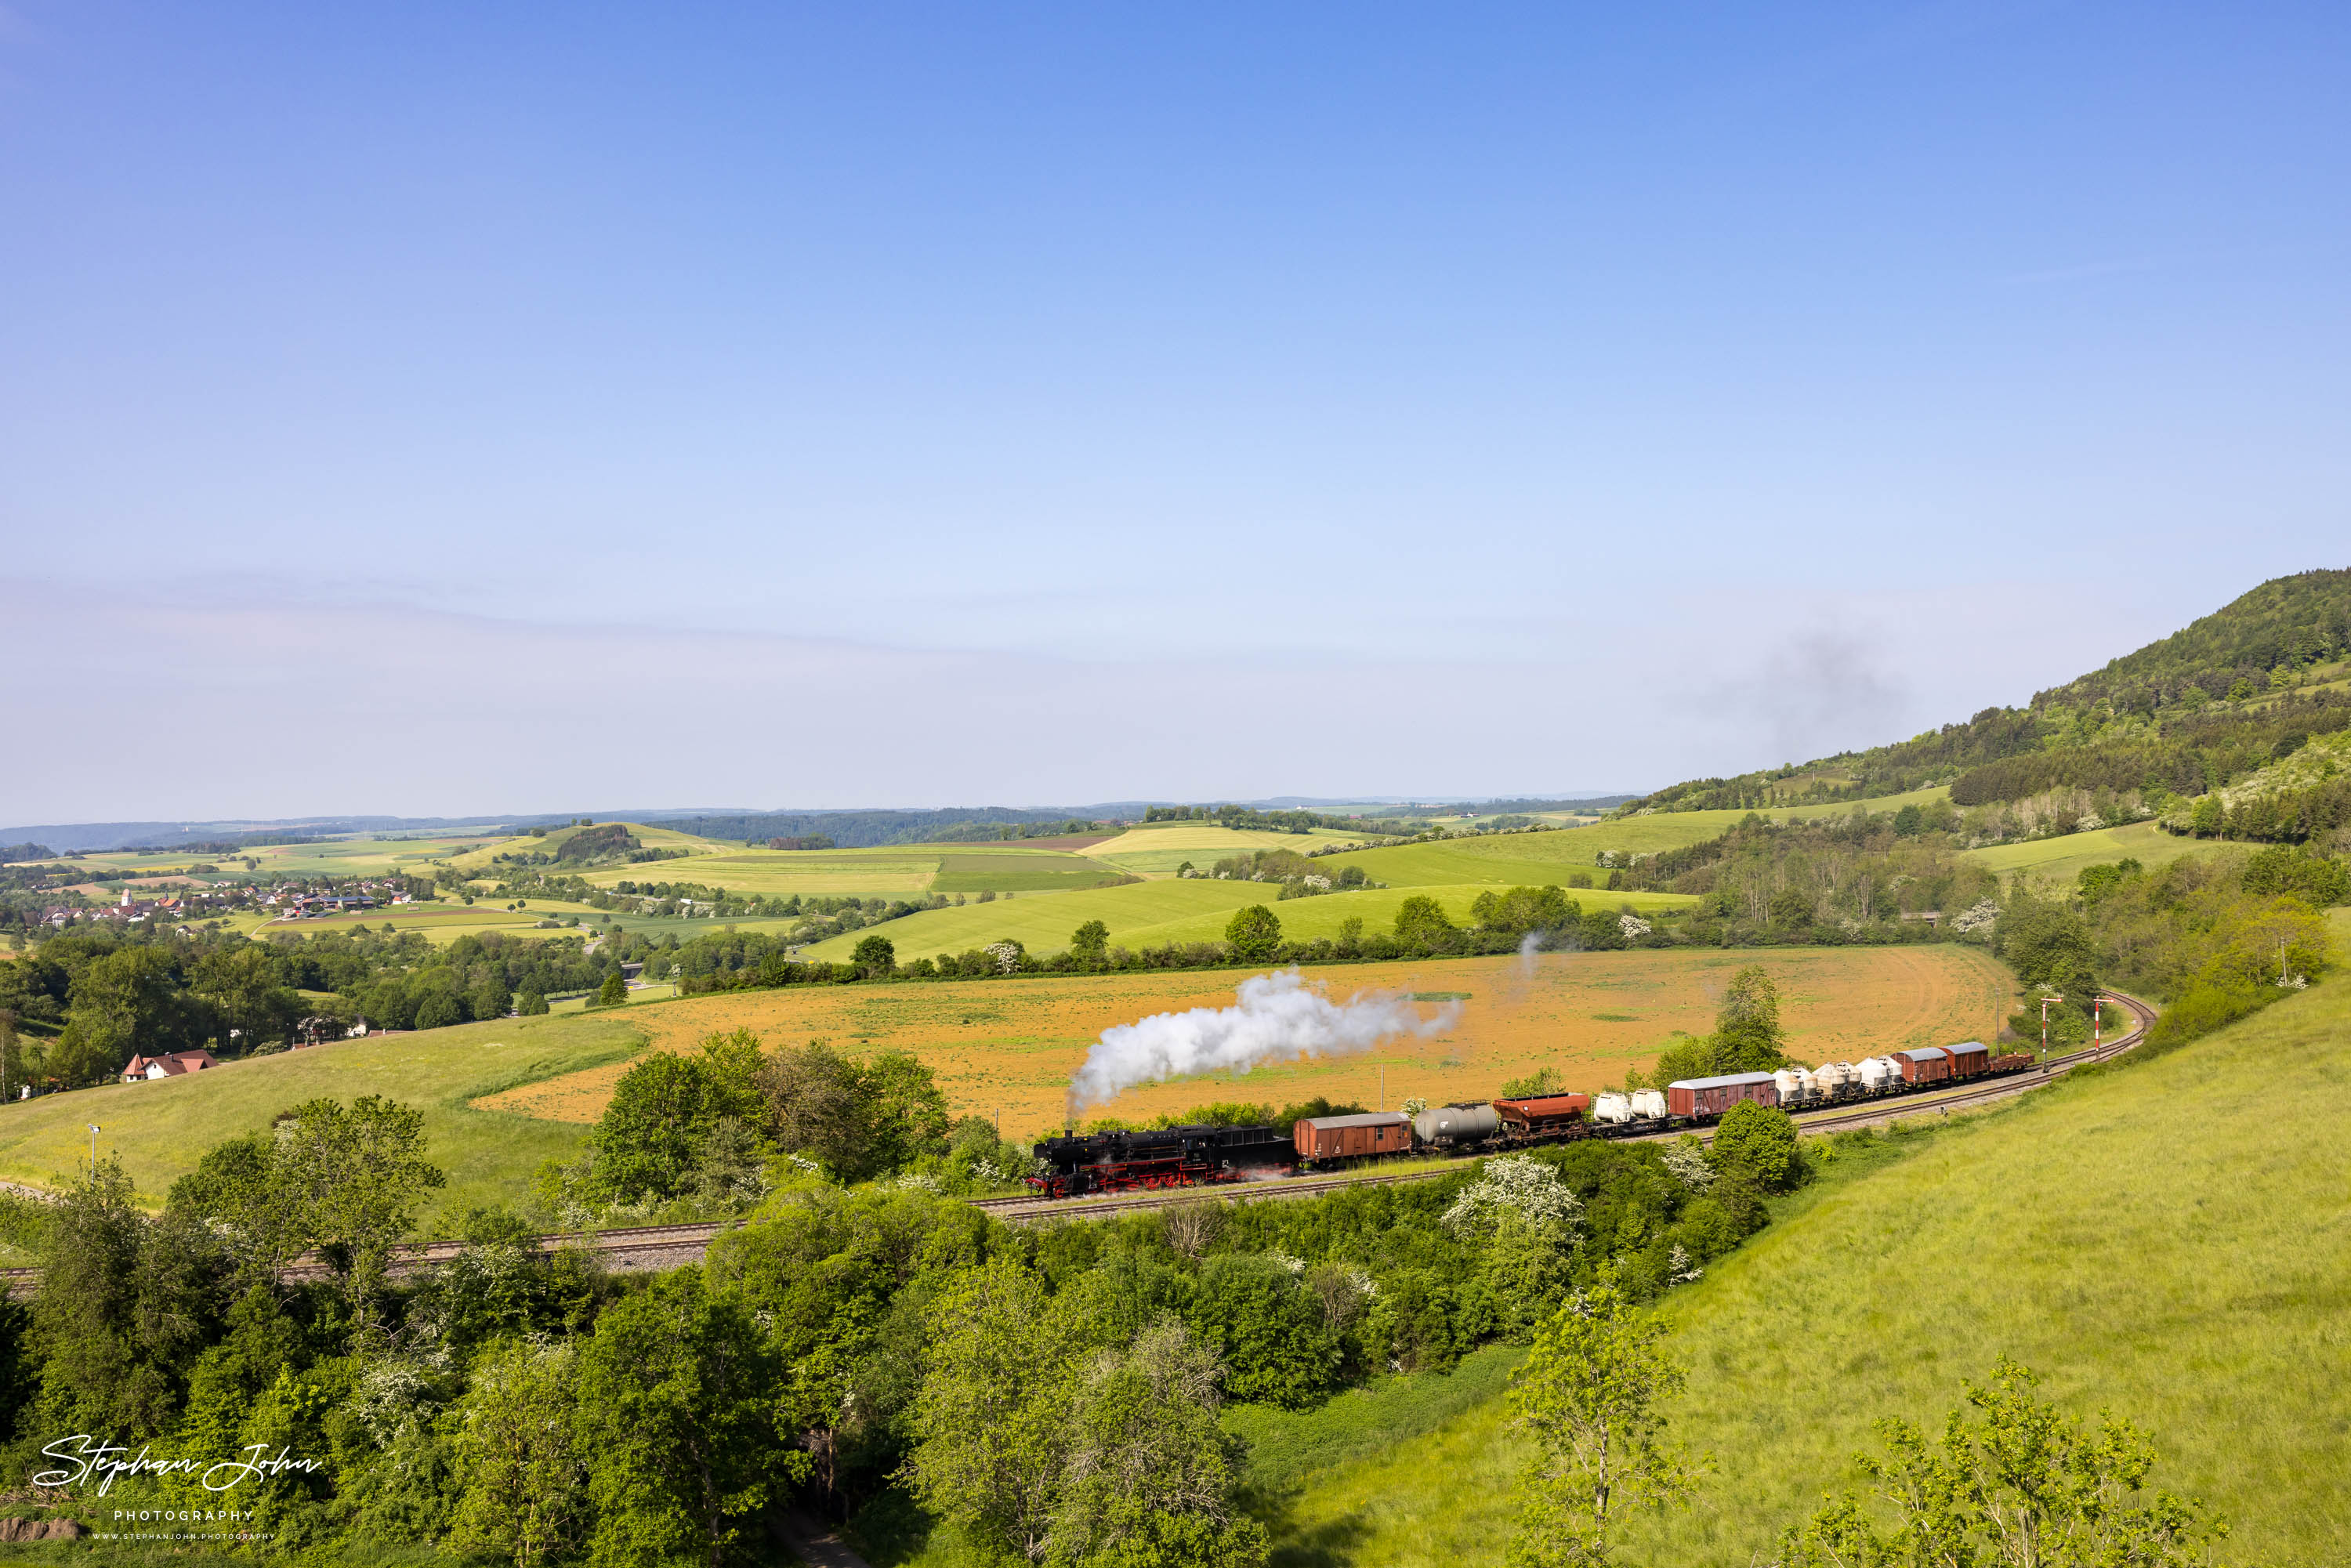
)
(1421, 922)
(1747, 1035)
(610, 994)
(132, 999)
(677, 1386)
(901, 1114)
(2021, 1484)
(354, 1175)
(1090, 943)
(1757, 1145)
(125, 1308)
(662, 1111)
(991, 1423)
(245, 991)
(1589, 1398)
(530, 1004)
(1149, 1478)
(525, 1478)
(812, 1097)
(2047, 945)
(1268, 1328)
(875, 957)
(1254, 935)
(1747, 1026)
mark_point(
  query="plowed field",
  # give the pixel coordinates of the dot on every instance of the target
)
(1009, 1046)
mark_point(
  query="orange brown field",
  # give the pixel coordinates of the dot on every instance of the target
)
(1008, 1047)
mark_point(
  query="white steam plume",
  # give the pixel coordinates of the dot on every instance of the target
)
(1279, 1017)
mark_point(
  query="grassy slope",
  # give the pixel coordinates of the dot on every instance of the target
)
(1534, 859)
(2063, 859)
(2172, 1242)
(161, 1129)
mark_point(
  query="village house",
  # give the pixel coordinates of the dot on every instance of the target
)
(172, 1064)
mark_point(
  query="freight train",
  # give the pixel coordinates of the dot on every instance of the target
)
(1134, 1160)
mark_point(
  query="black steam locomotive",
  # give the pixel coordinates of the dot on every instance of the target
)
(1160, 1156)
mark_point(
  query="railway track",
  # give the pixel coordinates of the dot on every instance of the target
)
(647, 1247)
(1832, 1119)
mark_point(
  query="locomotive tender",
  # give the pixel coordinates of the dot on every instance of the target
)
(1135, 1159)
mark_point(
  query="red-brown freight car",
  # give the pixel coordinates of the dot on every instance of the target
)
(1928, 1064)
(1969, 1059)
(1543, 1115)
(1352, 1137)
(1713, 1096)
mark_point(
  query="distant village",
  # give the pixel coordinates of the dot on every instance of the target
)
(288, 901)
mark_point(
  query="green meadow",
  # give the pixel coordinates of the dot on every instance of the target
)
(161, 1129)
(1157, 849)
(1151, 914)
(2169, 1241)
(2063, 859)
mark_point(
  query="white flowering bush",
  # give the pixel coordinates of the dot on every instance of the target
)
(1978, 917)
(1517, 1184)
(393, 1396)
(1007, 955)
(1681, 1271)
(1688, 1163)
(1632, 925)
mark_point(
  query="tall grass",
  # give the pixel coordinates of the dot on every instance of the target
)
(2172, 1243)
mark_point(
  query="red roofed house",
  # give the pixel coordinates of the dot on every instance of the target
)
(143, 1067)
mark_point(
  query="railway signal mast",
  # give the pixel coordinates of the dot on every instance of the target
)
(2044, 1022)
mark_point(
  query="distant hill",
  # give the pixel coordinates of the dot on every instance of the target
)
(2200, 709)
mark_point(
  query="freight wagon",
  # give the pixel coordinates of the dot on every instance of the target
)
(1543, 1116)
(1928, 1064)
(1707, 1097)
(1375, 1133)
(1969, 1059)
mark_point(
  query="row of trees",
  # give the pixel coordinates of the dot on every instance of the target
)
(85, 1001)
(1051, 1394)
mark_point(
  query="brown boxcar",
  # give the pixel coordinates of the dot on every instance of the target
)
(1352, 1137)
(1542, 1114)
(1928, 1064)
(1969, 1059)
(1713, 1096)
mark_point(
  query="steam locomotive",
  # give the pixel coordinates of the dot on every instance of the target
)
(1135, 1160)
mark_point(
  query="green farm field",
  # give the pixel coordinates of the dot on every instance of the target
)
(1156, 848)
(161, 1129)
(2169, 1241)
(1194, 909)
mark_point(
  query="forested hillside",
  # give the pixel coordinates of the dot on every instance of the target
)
(2205, 709)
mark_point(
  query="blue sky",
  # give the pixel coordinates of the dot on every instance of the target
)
(924, 405)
